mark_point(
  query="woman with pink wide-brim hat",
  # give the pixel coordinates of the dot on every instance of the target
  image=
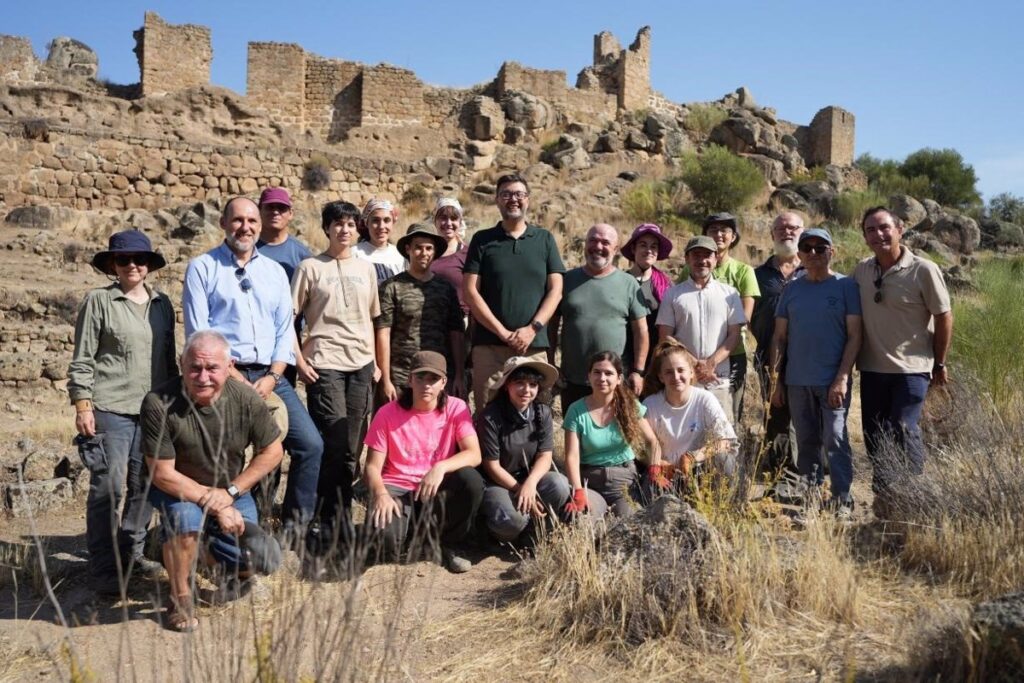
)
(646, 246)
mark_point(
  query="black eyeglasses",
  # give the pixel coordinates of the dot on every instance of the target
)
(878, 290)
(124, 260)
(243, 280)
(506, 195)
(816, 248)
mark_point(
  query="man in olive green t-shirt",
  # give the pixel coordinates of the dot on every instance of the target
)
(512, 284)
(195, 431)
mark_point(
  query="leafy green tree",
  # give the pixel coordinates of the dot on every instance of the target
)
(1007, 207)
(720, 180)
(951, 181)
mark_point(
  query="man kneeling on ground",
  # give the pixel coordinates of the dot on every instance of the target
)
(195, 432)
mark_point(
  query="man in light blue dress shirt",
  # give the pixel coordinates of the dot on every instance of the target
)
(246, 297)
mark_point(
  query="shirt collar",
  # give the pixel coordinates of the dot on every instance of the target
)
(224, 253)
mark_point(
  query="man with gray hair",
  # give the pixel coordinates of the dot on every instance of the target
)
(196, 429)
(781, 268)
(599, 303)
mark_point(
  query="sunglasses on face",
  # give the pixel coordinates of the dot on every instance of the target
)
(815, 248)
(125, 260)
(243, 281)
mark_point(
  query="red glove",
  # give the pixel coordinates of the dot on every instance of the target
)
(657, 475)
(578, 502)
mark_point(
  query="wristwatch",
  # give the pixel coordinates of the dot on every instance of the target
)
(275, 375)
(939, 366)
(234, 492)
(537, 325)
(639, 371)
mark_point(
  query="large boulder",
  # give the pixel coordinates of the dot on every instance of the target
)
(820, 195)
(528, 111)
(71, 58)
(20, 367)
(999, 625)
(42, 217)
(784, 198)
(960, 233)
(669, 543)
(568, 153)
(486, 118)
(1000, 234)
(774, 171)
(34, 497)
(908, 209)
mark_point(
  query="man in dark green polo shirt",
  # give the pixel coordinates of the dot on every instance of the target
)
(513, 284)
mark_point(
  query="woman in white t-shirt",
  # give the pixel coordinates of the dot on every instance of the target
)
(694, 432)
(375, 226)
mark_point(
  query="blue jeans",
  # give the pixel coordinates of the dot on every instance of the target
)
(305, 446)
(891, 406)
(116, 473)
(820, 427)
(182, 517)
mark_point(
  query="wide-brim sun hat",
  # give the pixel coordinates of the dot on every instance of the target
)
(422, 230)
(127, 242)
(498, 379)
(723, 218)
(664, 243)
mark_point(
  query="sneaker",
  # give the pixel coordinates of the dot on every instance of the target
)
(844, 512)
(261, 551)
(454, 562)
(143, 566)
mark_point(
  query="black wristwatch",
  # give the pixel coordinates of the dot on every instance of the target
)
(275, 375)
(234, 492)
(939, 366)
(639, 371)
(537, 325)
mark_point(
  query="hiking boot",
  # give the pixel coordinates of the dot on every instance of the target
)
(454, 561)
(844, 512)
(143, 566)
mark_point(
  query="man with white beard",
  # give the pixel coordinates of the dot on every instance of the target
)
(599, 302)
(772, 276)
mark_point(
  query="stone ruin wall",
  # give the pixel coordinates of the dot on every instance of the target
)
(274, 81)
(392, 96)
(831, 137)
(172, 58)
(18, 63)
(84, 171)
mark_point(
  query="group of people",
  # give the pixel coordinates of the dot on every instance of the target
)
(390, 340)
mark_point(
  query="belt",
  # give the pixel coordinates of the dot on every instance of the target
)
(251, 366)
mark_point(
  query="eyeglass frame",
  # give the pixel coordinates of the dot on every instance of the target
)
(243, 280)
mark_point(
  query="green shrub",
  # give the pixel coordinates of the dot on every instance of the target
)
(416, 193)
(851, 205)
(814, 174)
(702, 118)
(849, 245)
(656, 202)
(316, 173)
(951, 181)
(720, 180)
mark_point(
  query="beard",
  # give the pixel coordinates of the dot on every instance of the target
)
(785, 248)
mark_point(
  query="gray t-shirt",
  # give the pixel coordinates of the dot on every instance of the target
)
(511, 439)
(207, 443)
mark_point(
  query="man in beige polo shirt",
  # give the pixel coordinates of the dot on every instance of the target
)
(908, 326)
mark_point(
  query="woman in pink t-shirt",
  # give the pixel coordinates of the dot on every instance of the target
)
(420, 470)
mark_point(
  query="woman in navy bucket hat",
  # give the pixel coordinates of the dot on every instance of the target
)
(647, 245)
(124, 347)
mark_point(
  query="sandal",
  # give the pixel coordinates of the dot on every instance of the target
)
(181, 615)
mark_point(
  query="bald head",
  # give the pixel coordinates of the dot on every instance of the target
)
(602, 243)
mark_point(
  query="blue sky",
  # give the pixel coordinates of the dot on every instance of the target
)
(915, 74)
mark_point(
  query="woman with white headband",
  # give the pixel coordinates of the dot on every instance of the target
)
(375, 227)
(449, 224)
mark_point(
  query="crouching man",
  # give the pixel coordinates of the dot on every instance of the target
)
(195, 432)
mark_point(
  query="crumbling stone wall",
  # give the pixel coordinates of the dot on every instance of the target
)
(82, 171)
(392, 96)
(831, 138)
(626, 74)
(548, 84)
(333, 96)
(18, 63)
(275, 81)
(172, 57)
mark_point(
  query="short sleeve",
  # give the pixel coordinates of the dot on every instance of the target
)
(157, 440)
(641, 408)
(263, 430)
(490, 442)
(667, 311)
(461, 419)
(386, 317)
(736, 314)
(716, 419)
(746, 283)
(637, 306)
(851, 293)
(377, 434)
(782, 308)
(933, 289)
(454, 323)
(374, 292)
(555, 264)
(473, 256)
(546, 429)
(571, 423)
(300, 288)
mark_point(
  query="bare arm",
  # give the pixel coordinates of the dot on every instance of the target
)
(554, 330)
(382, 506)
(641, 344)
(262, 464)
(837, 392)
(572, 459)
(748, 307)
(382, 346)
(467, 456)
(523, 337)
(498, 474)
(653, 445)
(778, 352)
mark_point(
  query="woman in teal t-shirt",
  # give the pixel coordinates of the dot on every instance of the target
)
(601, 432)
